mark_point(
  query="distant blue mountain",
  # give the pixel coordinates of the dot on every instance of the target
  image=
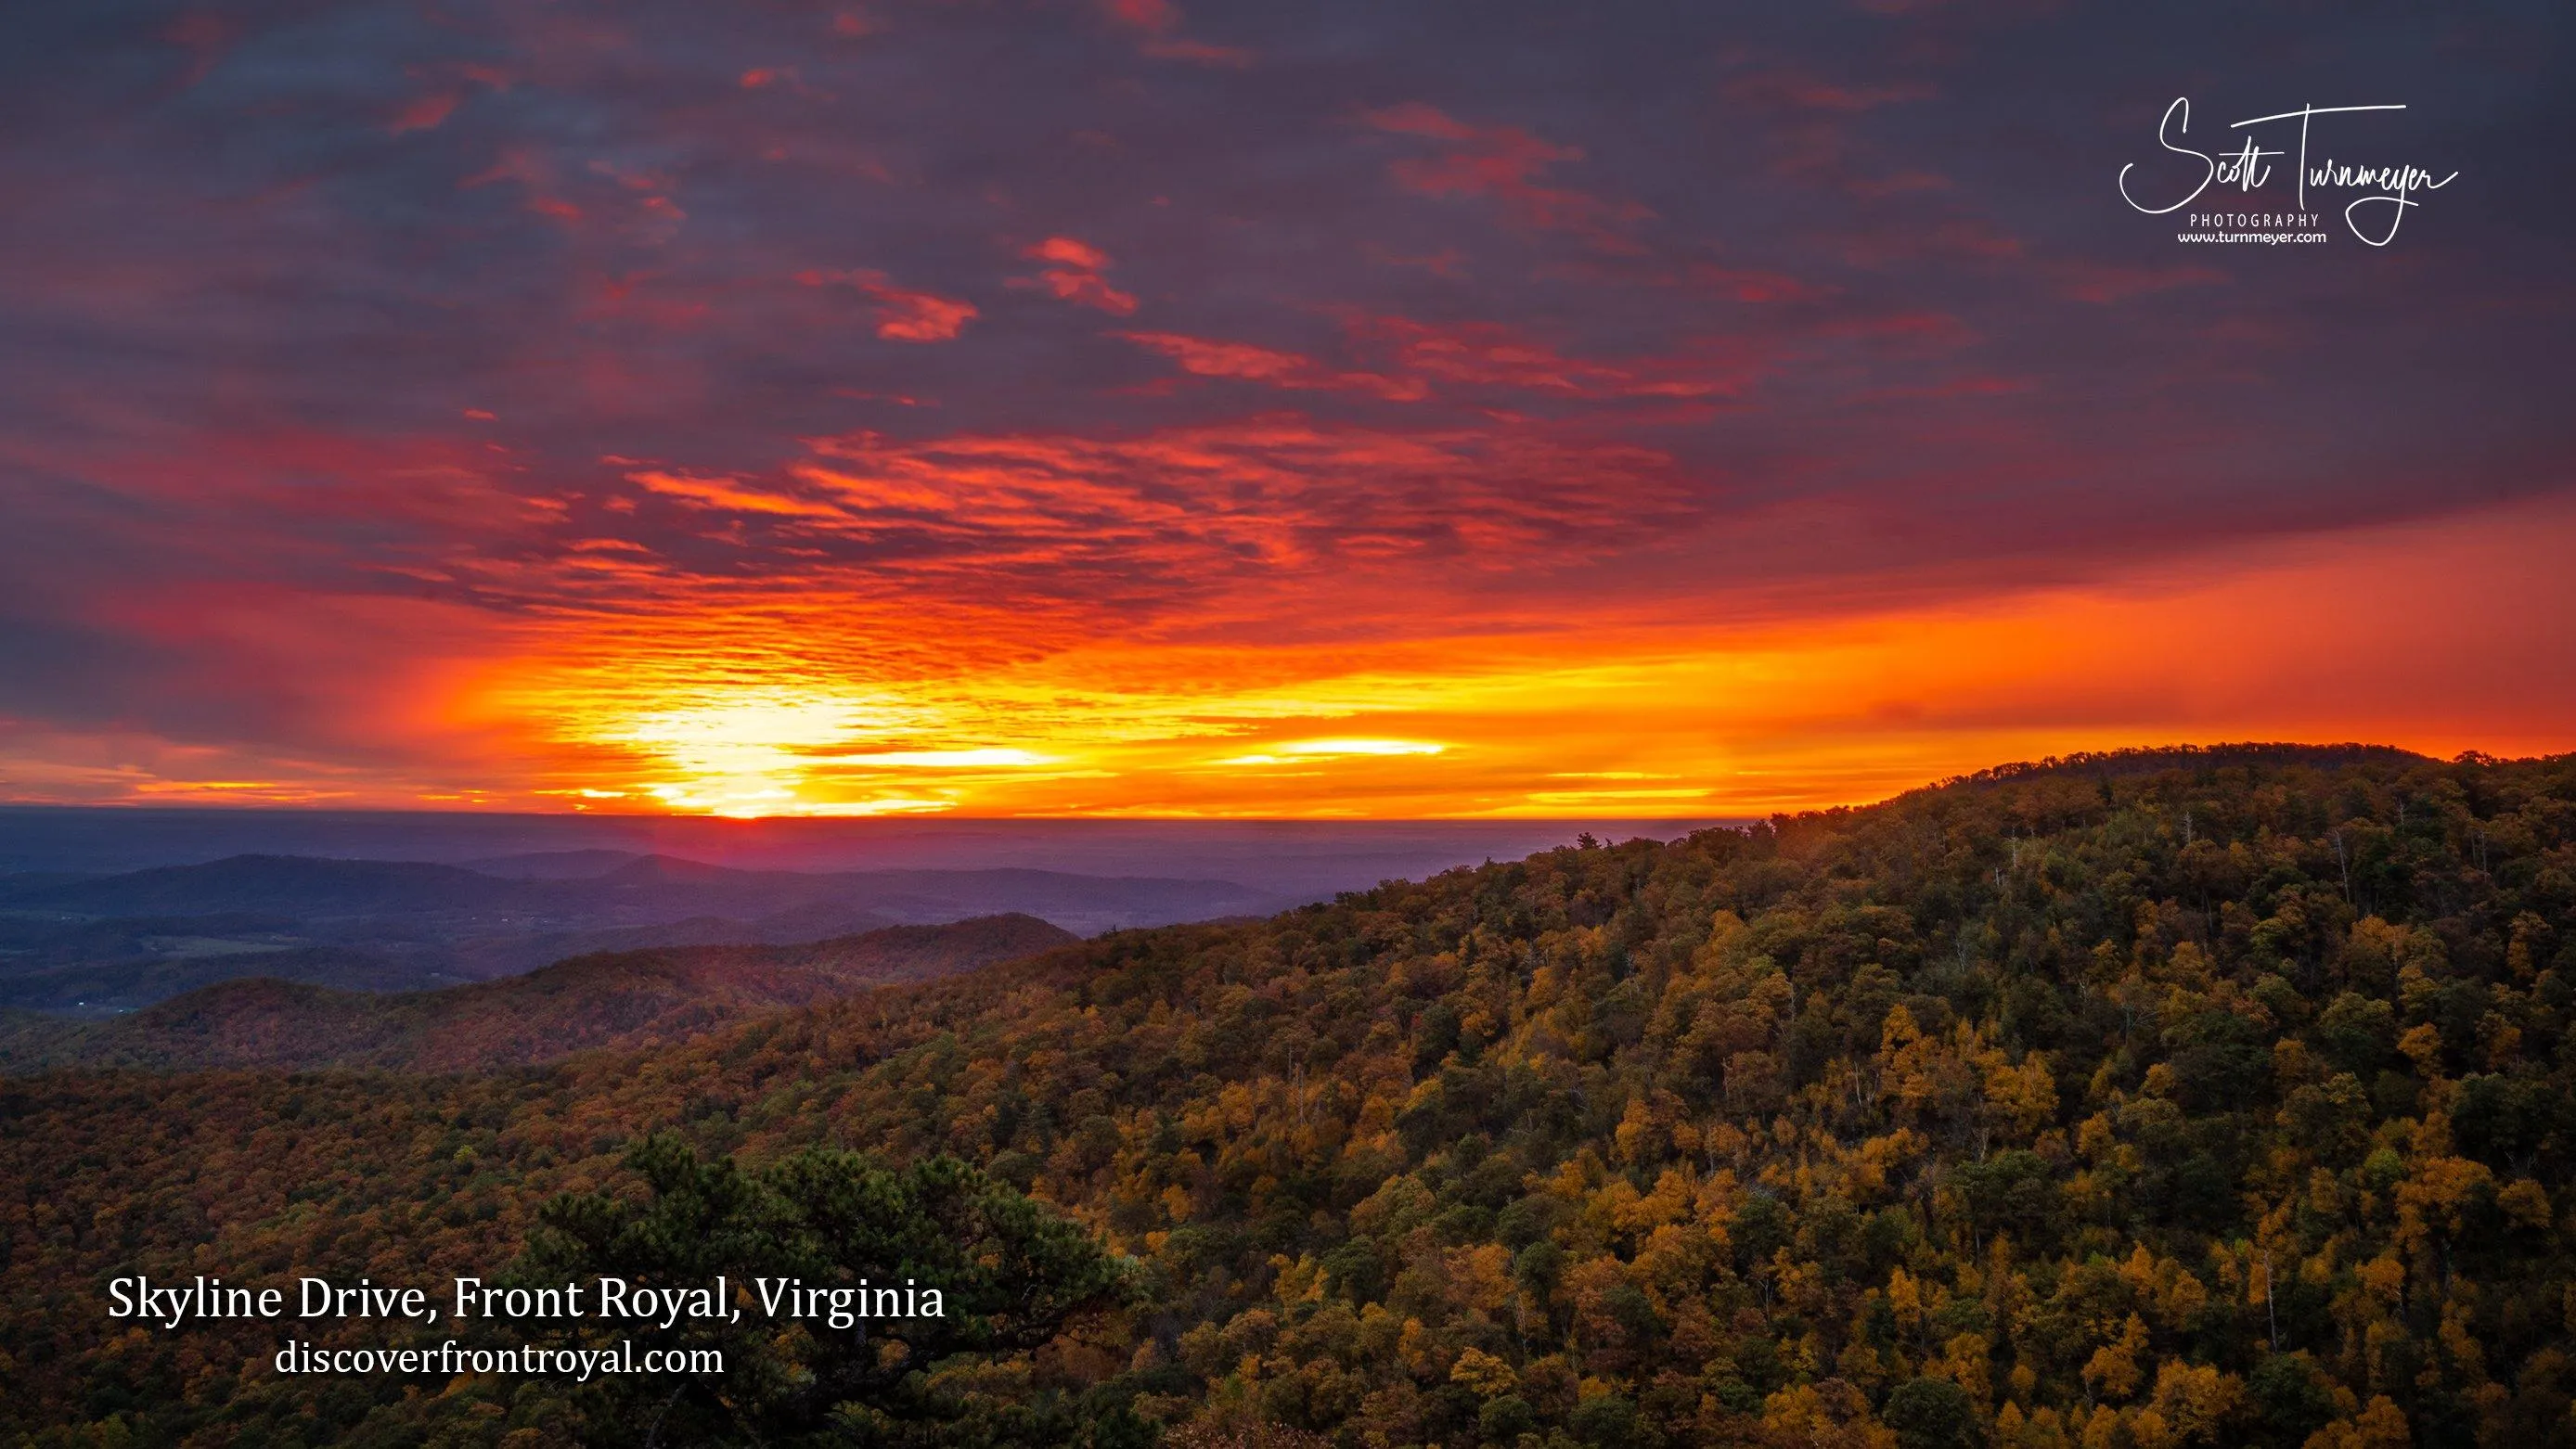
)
(108, 943)
(106, 910)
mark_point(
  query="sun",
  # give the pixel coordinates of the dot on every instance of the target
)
(751, 752)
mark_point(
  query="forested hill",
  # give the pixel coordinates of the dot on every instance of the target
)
(2222, 1101)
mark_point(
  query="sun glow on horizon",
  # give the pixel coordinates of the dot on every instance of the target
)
(1303, 751)
(769, 750)
(772, 712)
(1632, 716)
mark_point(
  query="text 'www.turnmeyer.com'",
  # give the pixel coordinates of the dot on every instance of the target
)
(578, 1364)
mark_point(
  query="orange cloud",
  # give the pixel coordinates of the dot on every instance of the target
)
(727, 493)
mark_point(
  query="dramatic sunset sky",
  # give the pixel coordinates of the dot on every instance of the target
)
(1161, 407)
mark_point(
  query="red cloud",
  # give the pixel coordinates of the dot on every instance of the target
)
(1075, 275)
(1751, 284)
(1199, 52)
(1070, 253)
(425, 114)
(205, 36)
(1206, 358)
(1503, 162)
(1152, 16)
(450, 85)
(1081, 517)
(903, 316)
(919, 316)
(1156, 20)
(1467, 354)
(523, 165)
(1486, 354)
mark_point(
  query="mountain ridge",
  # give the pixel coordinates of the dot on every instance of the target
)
(604, 999)
(96, 945)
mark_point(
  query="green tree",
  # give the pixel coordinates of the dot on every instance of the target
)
(1932, 1414)
(1011, 1276)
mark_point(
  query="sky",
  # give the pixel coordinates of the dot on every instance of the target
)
(1341, 410)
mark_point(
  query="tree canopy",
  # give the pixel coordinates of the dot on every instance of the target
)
(1010, 1276)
